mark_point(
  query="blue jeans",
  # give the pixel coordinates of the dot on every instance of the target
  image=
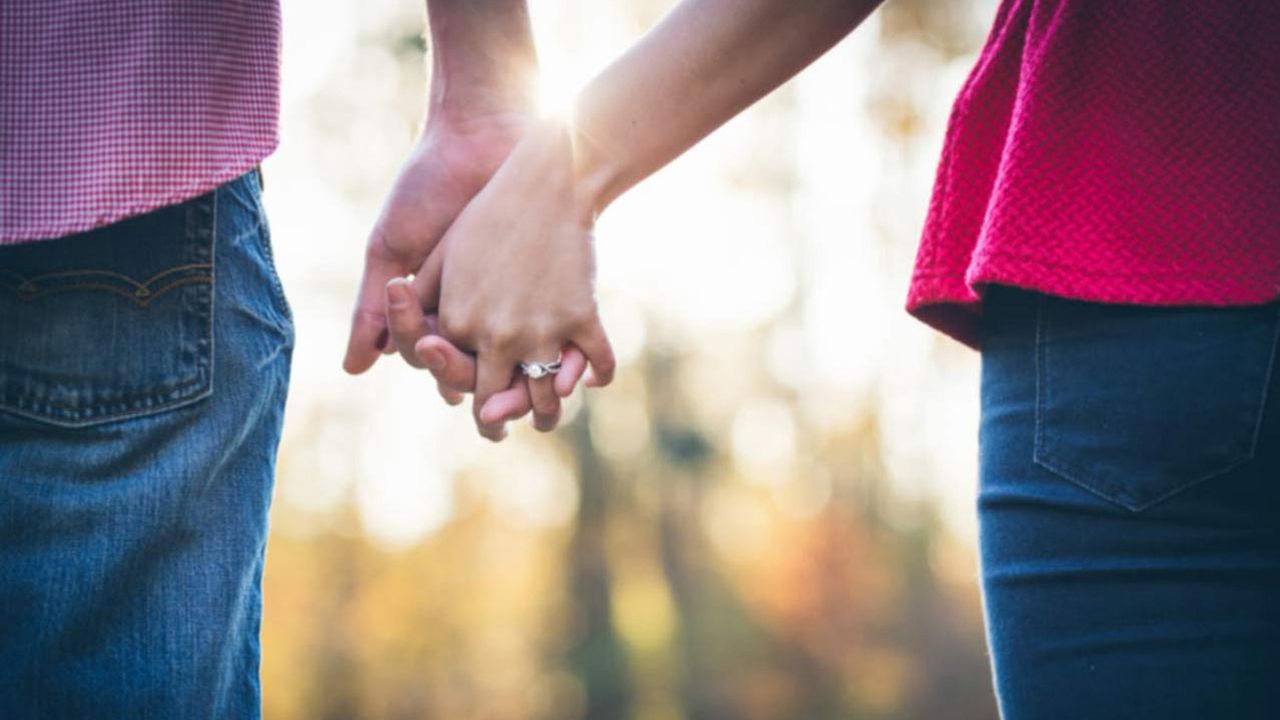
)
(1129, 509)
(143, 371)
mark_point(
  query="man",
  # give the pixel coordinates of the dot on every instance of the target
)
(145, 339)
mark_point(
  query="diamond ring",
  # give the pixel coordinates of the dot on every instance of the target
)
(535, 370)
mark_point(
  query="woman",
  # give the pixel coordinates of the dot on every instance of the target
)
(1105, 228)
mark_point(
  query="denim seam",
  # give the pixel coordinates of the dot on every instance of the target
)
(1266, 386)
(262, 227)
(1039, 373)
(1107, 490)
(34, 414)
(166, 389)
(27, 289)
(277, 285)
(24, 280)
(213, 292)
(133, 297)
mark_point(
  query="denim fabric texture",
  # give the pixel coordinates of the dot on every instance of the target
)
(143, 373)
(1129, 508)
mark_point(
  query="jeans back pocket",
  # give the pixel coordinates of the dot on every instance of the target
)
(110, 324)
(1139, 403)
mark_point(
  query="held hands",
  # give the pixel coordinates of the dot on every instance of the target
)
(449, 165)
(512, 279)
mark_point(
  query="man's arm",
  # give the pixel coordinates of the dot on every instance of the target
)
(483, 59)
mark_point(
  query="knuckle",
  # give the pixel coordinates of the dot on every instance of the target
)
(455, 327)
(542, 334)
(605, 365)
(502, 338)
(402, 321)
(384, 247)
(581, 318)
(370, 318)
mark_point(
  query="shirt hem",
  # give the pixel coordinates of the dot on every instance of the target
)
(950, 301)
(206, 184)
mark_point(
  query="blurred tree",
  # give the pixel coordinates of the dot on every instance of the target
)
(596, 656)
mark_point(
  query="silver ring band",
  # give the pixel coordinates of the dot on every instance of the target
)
(536, 370)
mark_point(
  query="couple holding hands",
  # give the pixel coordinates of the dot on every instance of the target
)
(493, 211)
(1105, 228)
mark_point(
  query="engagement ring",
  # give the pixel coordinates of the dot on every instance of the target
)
(535, 370)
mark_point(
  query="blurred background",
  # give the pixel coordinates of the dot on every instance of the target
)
(769, 514)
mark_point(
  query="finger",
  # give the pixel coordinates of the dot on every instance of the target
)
(452, 397)
(493, 375)
(454, 369)
(595, 344)
(508, 405)
(542, 394)
(368, 334)
(572, 364)
(426, 283)
(405, 319)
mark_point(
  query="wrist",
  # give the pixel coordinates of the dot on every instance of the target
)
(459, 101)
(483, 60)
(598, 169)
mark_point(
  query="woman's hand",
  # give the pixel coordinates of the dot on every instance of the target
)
(515, 275)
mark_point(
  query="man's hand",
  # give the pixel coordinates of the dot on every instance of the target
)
(481, 96)
(450, 164)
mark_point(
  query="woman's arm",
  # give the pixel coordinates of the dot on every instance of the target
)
(704, 63)
(515, 272)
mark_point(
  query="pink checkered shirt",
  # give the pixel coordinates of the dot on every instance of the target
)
(113, 108)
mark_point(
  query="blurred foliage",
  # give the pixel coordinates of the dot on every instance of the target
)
(725, 555)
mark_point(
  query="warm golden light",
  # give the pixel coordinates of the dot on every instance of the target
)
(714, 504)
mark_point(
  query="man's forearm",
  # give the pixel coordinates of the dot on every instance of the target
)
(703, 64)
(483, 57)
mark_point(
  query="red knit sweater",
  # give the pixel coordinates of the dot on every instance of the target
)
(1115, 151)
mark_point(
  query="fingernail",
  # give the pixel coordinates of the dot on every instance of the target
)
(398, 295)
(432, 359)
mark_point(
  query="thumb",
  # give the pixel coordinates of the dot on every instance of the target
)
(427, 282)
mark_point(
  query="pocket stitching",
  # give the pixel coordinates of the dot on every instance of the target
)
(140, 301)
(200, 230)
(1100, 486)
(96, 418)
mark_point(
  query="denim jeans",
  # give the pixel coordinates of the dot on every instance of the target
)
(1129, 509)
(143, 371)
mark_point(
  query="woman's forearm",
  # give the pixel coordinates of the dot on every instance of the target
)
(482, 56)
(704, 63)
